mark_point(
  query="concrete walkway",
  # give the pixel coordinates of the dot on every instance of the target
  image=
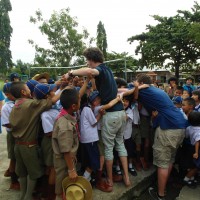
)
(189, 194)
(120, 192)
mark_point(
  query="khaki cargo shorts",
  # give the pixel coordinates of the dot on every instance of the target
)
(166, 143)
(101, 145)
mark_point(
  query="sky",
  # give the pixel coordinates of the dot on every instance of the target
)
(121, 19)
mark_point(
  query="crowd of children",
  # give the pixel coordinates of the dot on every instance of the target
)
(53, 128)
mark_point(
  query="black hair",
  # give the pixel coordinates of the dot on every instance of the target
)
(194, 118)
(189, 78)
(173, 79)
(196, 92)
(121, 82)
(129, 98)
(84, 102)
(190, 101)
(94, 54)
(69, 97)
(144, 78)
(179, 88)
(16, 88)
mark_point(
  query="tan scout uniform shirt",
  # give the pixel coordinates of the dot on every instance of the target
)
(65, 136)
(25, 117)
(64, 140)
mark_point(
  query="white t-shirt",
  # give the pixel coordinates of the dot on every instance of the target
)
(136, 114)
(5, 113)
(129, 122)
(88, 126)
(48, 119)
(96, 112)
(193, 132)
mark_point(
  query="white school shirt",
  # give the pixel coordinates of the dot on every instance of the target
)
(5, 113)
(136, 114)
(48, 119)
(88, 126)
(193, 132)
(129, 122)
(96, 112)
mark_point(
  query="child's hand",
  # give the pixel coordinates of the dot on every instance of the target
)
(136, 83)
(154, 113)
(195, 155)
(102, 112)
(90, 77)
(73, 175)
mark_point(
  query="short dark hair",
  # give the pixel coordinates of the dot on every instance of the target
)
(190, 101)
(121, 82)
(16, 88)
(194, 118)
(189, 78)
(196, 92)
(179, 88)
(144, 78)
(69, 97)
(173, 79)
(94, 54)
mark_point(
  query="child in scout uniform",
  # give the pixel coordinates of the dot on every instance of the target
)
(65, 139)
(24, 121)
(41, 91)
(5, 113)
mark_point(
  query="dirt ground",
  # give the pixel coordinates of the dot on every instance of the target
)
(5, 193)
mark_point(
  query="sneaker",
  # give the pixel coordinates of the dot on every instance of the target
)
(154, 195)
(132, 171)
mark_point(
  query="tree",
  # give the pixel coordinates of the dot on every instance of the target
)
(66, 42)
(102, 39)
(171, 42)
(5, 35)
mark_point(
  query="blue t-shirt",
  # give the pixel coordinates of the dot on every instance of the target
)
(155, 99)
(107, 87)
(189, 88)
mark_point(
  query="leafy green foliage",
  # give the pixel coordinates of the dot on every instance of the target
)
(5, 35)
(102, 39)
(66, 42)
(173, 42)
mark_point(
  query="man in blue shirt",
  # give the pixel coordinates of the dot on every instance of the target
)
(170, 126)
(114, 120)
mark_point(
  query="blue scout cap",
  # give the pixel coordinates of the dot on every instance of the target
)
(31, 84)
(93, 95)
(6, 87)
(130, 86)
(14, 75)
(177, 100)
(41, 90)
